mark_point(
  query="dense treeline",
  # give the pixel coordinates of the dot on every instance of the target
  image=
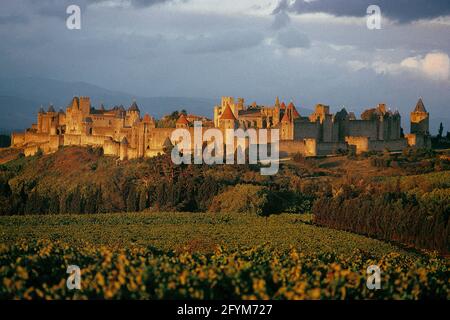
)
(414, 213)
(411, 160)
(83, 181)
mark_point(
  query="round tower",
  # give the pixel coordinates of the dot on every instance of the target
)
(227, 119)
(133, 113)
(286, 126)
(41, 113)
(123, 153)
(87, 123)
(420, 119)
(51, 120)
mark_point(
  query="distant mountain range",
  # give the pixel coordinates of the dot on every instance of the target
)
(20, 99)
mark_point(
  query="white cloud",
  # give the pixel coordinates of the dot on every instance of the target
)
(382, 67)
(356, 65)
(435, 65)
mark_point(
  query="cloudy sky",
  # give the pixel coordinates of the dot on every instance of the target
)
(317, 51)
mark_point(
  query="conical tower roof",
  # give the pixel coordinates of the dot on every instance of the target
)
(295, 113)
(182, 120)
(293, 110)
(227, 114)
(420, 107)
(167, 144)
(286, 117)
(147, 118)
(133, 107)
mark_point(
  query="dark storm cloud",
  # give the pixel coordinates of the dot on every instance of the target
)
(57, 8)
(402, 11)
(281, 20)
(286, 35)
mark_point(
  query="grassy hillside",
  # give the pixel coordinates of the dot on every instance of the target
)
(79, 180)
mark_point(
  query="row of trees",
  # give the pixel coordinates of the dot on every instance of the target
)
(420, 221)
(185, 195)
(37, 202)
(411, 161)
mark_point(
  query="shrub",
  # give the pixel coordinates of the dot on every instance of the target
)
(39, 153)
(298, 157)
(243, 198)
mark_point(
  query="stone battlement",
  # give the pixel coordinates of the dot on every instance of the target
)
(124, 133)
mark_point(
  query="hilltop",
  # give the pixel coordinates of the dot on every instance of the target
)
(70, 177)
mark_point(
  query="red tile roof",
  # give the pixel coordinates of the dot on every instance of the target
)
(227, 114)
(182, 119)
(286, 117)
(294, 111)
(147, 118)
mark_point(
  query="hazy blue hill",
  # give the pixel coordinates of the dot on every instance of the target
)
(45, 91)
(16, 113)
(20, 98)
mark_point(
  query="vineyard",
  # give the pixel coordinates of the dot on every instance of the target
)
(37, 270)
(206, 256)
(200, 232)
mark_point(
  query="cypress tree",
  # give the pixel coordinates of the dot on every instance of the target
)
(132, 200)
(143, 200)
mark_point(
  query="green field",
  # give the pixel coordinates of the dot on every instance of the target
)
(205, 256)
(192, 231)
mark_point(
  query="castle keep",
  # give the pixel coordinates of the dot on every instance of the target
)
(126, 134)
